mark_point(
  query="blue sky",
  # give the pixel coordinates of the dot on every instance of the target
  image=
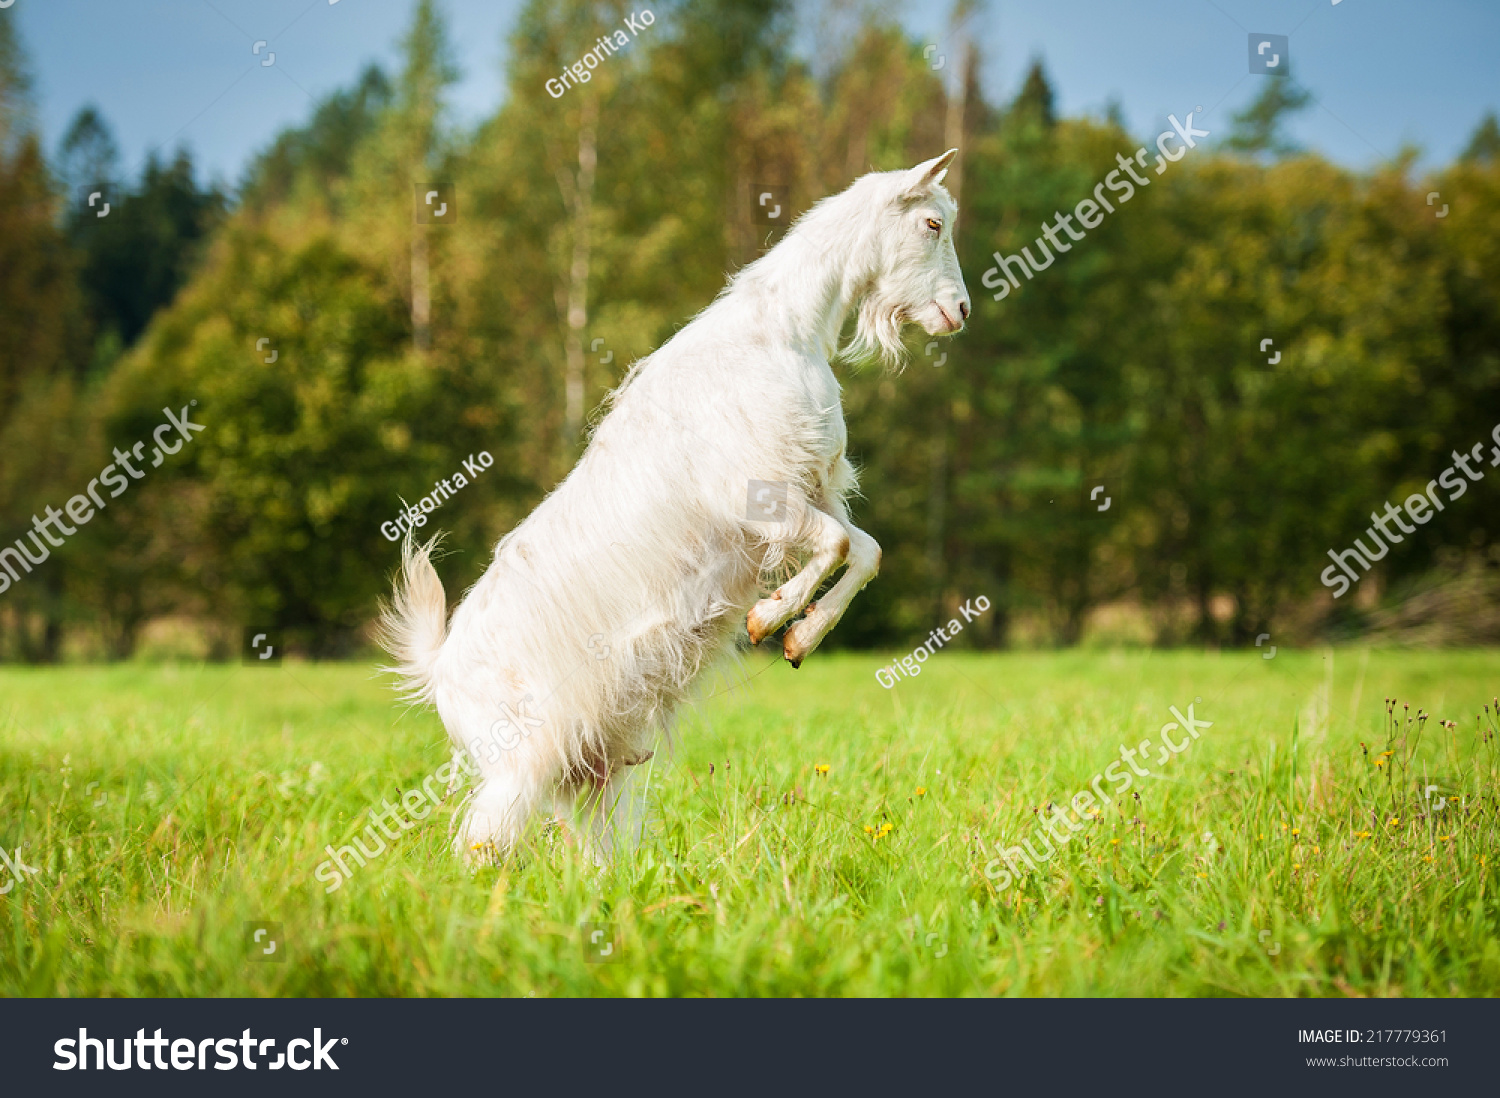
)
(1384, 73)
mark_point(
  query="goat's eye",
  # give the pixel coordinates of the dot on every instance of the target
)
(934, 224)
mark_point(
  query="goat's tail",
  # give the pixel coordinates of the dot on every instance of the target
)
(415, 621)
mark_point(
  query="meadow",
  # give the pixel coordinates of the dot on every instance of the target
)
(813, 833)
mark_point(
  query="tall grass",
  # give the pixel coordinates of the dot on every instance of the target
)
(1294, 849)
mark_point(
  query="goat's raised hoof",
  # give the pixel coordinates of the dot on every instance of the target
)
(801, 638)
(764, 618)
(792, 648)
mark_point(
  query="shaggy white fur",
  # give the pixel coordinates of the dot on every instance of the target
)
(567, 658)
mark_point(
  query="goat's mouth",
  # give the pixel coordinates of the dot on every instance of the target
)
(947, 326)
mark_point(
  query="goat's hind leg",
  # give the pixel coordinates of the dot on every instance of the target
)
(606, 816)
(830, 546)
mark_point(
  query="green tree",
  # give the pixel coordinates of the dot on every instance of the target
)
(1484, 145)
(88, 153)
(308, 164)
(305, 457)
(136, 259)
(1260, 127)
(1036, 101)
(39, 347)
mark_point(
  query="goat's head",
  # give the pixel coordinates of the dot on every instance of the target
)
(917, 278)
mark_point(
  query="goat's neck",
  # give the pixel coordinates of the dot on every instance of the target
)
(816, 280)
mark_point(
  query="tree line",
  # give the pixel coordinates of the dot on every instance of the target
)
(1156, 438)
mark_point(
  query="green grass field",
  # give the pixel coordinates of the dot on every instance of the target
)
(218, 788)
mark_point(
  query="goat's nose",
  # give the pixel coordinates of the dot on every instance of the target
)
(963, 309)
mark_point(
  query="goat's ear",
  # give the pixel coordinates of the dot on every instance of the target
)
(921, 178)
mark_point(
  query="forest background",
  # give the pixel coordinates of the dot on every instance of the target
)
(346, 350)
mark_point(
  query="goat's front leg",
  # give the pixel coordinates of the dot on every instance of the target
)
(830, 545)
(863, 556)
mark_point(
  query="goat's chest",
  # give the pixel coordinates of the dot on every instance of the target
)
(823, 407)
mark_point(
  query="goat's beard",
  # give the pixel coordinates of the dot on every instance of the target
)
(877, 331)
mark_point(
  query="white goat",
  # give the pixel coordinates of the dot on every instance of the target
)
(721, 459)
